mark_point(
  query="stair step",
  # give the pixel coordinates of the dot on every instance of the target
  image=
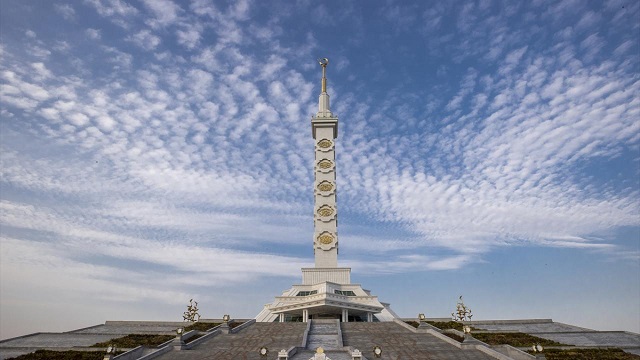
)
(325, 334)
(333, 355)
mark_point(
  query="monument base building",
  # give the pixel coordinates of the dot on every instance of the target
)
(319, 299)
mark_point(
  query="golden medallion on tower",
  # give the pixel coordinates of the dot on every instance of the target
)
(325, 211)
(325, 186)
(325, 238)
(325, 164)
(325, 143)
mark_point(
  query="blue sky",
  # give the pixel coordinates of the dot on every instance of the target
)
(155, 151)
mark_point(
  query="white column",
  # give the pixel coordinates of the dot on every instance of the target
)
(345, 315)
(305, 315)
(282, 317)
(369, 317)
(324, 128)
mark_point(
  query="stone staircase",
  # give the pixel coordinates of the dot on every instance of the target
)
(331, 354)
(399, 343)
(244, 344)
(324, 333)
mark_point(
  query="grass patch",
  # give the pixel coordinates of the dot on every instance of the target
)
(62, 355)
(135, 340)
(514, 339)
(442, 325)
(201, 326)
(455, 337)
(194, 338)
(234, 324)
(588, 354)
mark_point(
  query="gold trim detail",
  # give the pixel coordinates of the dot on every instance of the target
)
(325, 186)
(325, 238)
(325, 164)
(325, 211)
(325, 143)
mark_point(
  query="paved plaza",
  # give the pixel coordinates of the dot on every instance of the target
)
(397, 342)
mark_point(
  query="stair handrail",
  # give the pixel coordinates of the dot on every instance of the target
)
(242, 326)
(306, 334)
(340, 342)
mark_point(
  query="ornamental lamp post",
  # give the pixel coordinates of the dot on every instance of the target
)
(178, 343)
(224, 328)
(356, 355)
(283, 355)
(111, 350)
(263, 352)
(537, 350)
(377, 351)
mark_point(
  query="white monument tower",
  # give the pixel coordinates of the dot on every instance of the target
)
(326, 290)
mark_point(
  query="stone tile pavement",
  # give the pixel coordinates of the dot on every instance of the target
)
(600, 338)
(399, 343)
(132, 327)
(528, 327)
(245, 344)
(18, 346)
(54, 340)
(82, 337)
(568, 334)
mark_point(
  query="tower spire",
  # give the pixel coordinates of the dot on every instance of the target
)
(323, 101)
(324, 62)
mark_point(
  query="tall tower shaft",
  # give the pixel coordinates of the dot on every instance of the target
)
(326, 290)
(324, 128)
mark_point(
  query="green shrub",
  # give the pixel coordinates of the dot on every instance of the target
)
(514, 339)
(588, 354)
(135, 340)
(234, 324)
(201, 326)
(194, 338)
(446, 325)
(61, 355)
(455, 337)
(415, 324)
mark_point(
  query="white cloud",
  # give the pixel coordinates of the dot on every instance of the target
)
(189, 37)
(145, 39)
(65, 10)
(112, 7)
(166, 12)
(93, 34)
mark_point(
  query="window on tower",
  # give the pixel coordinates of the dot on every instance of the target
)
(345, 292)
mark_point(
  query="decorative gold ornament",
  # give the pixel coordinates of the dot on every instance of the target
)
(325, 211)
(325, 186)
(325, 143)
(462, 313)
(325, 164)
(324, 62)
(325, 238)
